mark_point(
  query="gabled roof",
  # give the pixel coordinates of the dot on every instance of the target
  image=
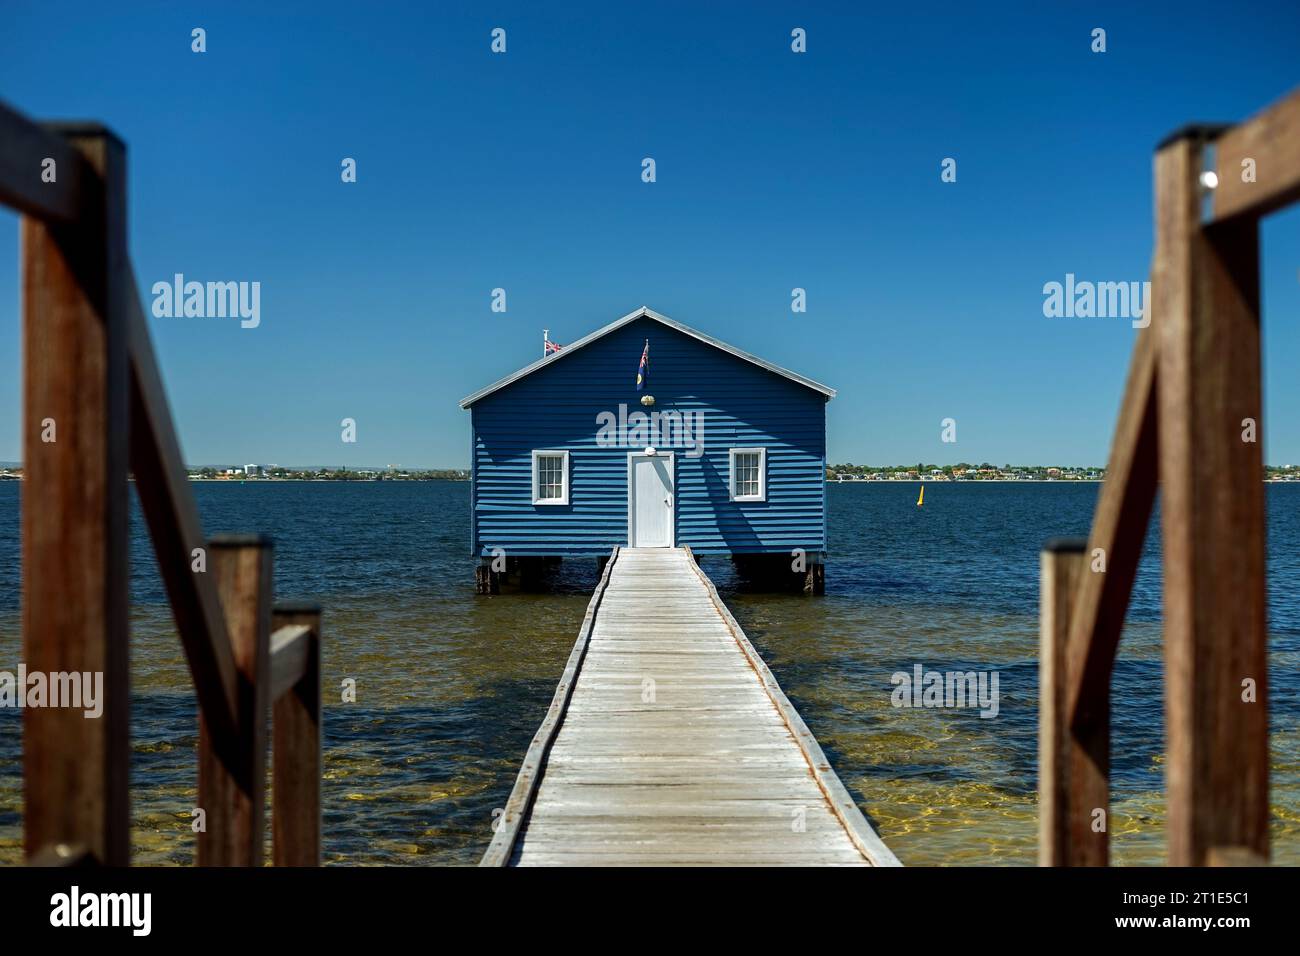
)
(645, 313)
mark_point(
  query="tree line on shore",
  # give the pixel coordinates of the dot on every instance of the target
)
(331, 474)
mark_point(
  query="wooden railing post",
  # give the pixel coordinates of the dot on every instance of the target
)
(1061, 562)
(232, 791)
(296, 751)
(74, 509)
(1212, 514)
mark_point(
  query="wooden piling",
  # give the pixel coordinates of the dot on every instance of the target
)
(486, 580)
(814, 581)
(781, 572)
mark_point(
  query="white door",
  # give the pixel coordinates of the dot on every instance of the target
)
(650, 501)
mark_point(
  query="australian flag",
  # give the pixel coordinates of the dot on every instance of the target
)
(643, 370)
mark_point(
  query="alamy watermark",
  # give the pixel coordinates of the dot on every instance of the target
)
(210, 300)
(658, 429)
(74, 908)
(75, 690)
(1102, 300)
(953, 689)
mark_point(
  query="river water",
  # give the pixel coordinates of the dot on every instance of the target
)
(451, 686)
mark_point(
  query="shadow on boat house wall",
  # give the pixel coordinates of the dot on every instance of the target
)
(719, 450)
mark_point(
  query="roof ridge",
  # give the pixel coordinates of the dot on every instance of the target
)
(646, 312)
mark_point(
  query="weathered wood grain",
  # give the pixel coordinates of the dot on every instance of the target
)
(1272, 140)
(74, 509)
(163, 487)
(671, 744)
(1061, 562)
(506, 825)
(1100, 603)
(232, 791)
(296, 735)
(1212, 518)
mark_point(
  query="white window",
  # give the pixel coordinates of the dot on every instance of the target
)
(550, 477)
(749, 474)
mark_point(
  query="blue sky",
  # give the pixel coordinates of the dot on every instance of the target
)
(775, 170)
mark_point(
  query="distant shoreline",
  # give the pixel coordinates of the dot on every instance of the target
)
(320, 481)
(1002, 481)
(968, 481)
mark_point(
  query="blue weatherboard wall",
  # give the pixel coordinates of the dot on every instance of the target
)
(556, 407)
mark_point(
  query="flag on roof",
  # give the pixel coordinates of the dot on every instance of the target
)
(643, 370)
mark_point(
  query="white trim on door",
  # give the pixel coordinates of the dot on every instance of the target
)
(631, 495)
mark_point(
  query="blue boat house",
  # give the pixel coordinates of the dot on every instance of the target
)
(649, 434)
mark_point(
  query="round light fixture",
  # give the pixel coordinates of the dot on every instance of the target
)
(650, 450)
(647, 400)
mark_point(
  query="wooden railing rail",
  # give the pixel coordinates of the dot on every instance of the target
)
(169, 509)
(94, 407)
(290, 646)
(1190, 418)
(25, 183)
(1271, 141)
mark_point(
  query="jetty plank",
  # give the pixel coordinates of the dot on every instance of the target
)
(670, 743)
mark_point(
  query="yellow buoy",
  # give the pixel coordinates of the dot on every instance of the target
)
(921, 500)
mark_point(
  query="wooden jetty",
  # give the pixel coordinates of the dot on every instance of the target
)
(670, 743)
